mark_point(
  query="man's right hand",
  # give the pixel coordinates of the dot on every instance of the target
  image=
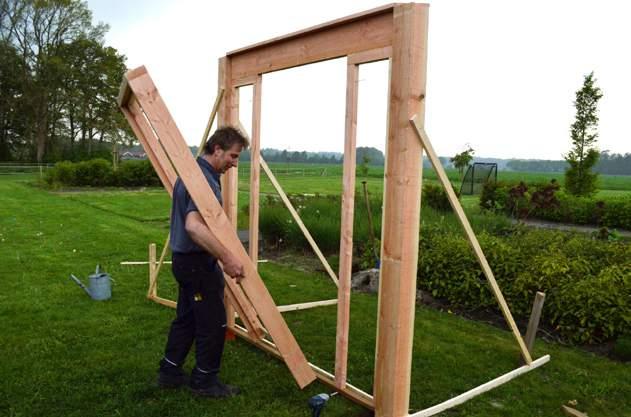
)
(233, 267)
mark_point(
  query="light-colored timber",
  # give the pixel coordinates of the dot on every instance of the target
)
(190, 173)
(305, 306)
(572, 412)
(533, 322)
(346, 227)
(255, 170)
(152, 291)
(401, 212)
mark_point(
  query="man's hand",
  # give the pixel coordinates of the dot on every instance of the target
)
(233, 267)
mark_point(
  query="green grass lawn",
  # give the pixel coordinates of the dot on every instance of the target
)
(66, 355)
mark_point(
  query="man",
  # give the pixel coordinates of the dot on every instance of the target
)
(201, 316)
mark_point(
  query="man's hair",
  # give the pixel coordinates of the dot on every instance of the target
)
(225, 137)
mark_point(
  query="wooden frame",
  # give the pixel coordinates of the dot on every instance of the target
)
(397, 32)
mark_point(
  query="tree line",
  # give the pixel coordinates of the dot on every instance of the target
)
(58, 83)
(609, 164)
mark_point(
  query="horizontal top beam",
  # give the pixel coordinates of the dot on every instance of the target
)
(364, 31)
(323, 26)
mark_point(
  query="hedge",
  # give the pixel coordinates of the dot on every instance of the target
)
(100, 173)
(546, 201)
(587, 282)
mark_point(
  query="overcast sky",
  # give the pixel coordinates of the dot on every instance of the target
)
(501, 74)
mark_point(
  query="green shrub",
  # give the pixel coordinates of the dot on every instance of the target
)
(587, 282)
(63, 173)
(99, 173)
(547, 202)
(136, 174)
(435, 197)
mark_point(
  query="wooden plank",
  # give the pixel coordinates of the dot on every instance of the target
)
(372, 55)
(164, 301)
(386, 8)
(165, 248)
(533, 322)
(162, 162)
(438, 408)
(473, 240)
(298, 220)
(305, 306)
(572, 412)
(255, 170)
(211, 119)
(242, 82)
(129, 263)
(219, 224)
(226, 113)
(370, 31)
(349, 391)
(245, 310)
(152, 291)
(346, 227)
(400, 233)
(167, 178)
(124, 92)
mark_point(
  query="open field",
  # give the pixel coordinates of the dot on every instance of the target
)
(67, 355)
(327, 179)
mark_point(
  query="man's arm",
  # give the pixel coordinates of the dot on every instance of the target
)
(201, 234)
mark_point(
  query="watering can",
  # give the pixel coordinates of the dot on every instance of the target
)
(100, 286)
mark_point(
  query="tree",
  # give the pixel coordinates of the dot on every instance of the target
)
(579, 178)
(462, 160)
(63, 80)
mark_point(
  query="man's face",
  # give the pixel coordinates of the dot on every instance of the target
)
(224, 160)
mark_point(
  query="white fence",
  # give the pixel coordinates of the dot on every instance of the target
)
(8, 168)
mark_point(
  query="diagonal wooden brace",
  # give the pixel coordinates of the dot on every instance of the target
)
(139, 84)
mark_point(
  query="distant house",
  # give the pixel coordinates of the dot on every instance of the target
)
(128, 155)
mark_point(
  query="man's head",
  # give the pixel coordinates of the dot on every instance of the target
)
(223, 148)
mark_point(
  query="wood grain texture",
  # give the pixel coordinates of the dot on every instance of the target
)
(402, 200)
(346, 227)
(367, 32)
(219, 224)
(533, 321)
(255, 171)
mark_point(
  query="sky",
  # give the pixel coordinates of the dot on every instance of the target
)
(502, 75)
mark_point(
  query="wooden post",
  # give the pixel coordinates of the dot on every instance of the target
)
(255, 171)
(401, 214)
(227, 115)
(346, 232)
(533, 322)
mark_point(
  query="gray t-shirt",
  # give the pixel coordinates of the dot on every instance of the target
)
(183, 204)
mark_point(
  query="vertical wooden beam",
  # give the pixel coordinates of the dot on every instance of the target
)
(228, 190)
(401, 215)
(255, 171)
(346, 232)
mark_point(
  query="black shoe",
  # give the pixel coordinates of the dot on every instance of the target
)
(170, 376)
(215, 390)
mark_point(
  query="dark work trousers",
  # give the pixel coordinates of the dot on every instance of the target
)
(201, 315)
